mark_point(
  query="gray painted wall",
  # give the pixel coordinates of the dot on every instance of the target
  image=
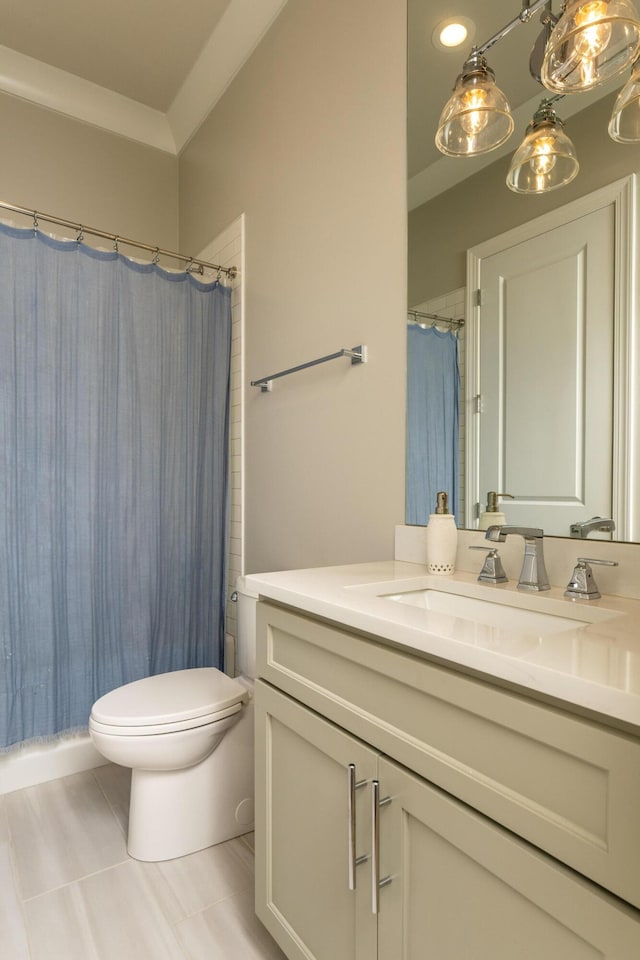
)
(309, 142)
(72, 170)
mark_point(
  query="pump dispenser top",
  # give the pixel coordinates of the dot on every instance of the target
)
(492, 516)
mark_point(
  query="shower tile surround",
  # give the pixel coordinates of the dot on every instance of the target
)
(68, 890)
(228, 250)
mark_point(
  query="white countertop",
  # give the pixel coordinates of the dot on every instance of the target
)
(594, 667)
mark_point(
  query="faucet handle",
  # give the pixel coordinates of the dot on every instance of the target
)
(582, 585)
(492, 569)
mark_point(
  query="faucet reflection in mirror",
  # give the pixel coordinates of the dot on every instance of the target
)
(601, 524)
(582, 48)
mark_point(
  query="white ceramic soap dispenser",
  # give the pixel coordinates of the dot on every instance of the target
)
(442, 538)
(492, 517)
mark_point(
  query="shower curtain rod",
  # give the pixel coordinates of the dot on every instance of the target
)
(193, 265)
(417, 315)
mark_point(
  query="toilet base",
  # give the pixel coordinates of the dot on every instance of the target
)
(174, 813)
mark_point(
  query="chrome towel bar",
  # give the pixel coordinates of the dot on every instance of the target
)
(357, 355)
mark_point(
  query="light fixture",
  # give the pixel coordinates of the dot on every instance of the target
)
(591, 42)
(546, 158)
(477, 117)
(587, 44)
(624, 125)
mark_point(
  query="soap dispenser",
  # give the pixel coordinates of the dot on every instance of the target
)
(492, 517)
(442, 538)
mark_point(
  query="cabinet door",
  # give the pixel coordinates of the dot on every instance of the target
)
(463, 887)
(303, 847)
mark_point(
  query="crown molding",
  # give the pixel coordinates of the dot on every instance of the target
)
(240, 30)
(65, 93)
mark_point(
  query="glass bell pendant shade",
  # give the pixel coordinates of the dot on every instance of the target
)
(592, 41)
(477, 117)
(624, 125)
(546, 158)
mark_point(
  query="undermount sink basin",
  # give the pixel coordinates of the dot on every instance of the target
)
(486, 613)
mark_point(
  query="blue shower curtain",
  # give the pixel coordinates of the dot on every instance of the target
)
(433, 383)
(114, 400)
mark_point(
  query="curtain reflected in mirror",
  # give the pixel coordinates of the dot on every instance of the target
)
(433, 391)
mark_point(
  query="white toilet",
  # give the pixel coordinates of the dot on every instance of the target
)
(188, 738)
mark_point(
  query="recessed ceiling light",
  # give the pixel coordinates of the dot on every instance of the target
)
(453, 32)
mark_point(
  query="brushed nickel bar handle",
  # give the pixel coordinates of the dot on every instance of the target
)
(357, 354)
(376, 883)
(354, 861)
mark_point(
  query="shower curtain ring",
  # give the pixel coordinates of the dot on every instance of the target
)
(80, 236)
(219, 277)
(189, 266)
(115, 244)
(156, 256)
(35, 221)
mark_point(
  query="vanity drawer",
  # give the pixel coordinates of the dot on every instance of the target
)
(564, 783)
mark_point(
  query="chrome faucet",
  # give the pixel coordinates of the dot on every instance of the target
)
(533, 575)
(583, 529)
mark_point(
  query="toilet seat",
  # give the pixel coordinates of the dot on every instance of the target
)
(152, 729)
(168, 702)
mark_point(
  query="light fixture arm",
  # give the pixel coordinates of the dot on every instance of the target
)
(549, 19)
(528, 10)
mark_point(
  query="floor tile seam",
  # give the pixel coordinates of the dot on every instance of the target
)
(184, 952)
(171, 928)
(93, 936)
(17, 881)
(63, 805)
(180, 945)
(244, 838)
(151, 896)
(214, 903)
(69, 883)
(15, 877)
(161, 900)
(173, 892)
(110, 805)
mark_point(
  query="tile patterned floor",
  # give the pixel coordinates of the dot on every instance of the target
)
(69, 891)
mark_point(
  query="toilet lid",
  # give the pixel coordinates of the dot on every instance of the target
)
(169, 697)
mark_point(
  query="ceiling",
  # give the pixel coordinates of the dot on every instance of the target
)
(148, 69)
(432, 73)
(143, 50)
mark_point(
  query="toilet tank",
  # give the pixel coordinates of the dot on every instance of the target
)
(246, 640)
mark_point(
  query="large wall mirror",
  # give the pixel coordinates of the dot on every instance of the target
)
(549, 356)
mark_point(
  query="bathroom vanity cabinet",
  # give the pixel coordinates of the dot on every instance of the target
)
(405, 809)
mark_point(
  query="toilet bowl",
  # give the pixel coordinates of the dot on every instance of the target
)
(188, 738)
